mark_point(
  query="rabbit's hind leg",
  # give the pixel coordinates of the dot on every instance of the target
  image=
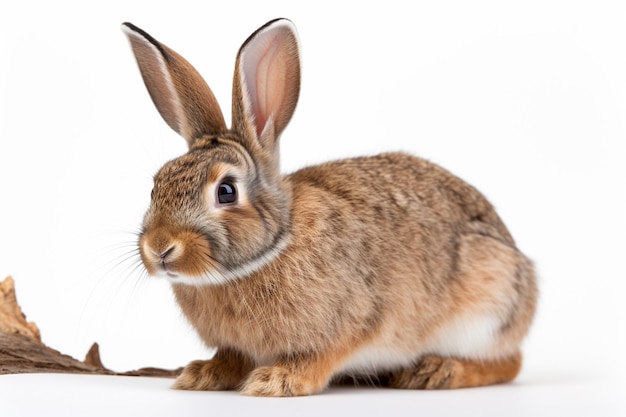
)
(435, 372)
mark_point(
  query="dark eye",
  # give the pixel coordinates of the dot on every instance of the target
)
(226, 193)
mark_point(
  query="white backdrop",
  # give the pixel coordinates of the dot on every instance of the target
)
(525, 100)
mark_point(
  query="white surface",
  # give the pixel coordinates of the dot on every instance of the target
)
(72, 395)
(525, 100)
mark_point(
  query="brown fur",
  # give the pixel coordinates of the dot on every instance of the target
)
(355, 267)
(433, 372)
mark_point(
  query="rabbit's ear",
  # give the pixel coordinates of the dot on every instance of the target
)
(180, 94)
(266, 84)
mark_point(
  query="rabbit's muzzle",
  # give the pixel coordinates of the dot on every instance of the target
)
(169, 253)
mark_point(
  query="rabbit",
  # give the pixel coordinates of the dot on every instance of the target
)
(384, 266)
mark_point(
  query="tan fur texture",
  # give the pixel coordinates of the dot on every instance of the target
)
(360, 267)
(433, 372)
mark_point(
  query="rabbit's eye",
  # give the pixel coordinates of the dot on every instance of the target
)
(226, 193)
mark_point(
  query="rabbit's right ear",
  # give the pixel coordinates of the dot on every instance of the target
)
(178, 91)
(266, 84)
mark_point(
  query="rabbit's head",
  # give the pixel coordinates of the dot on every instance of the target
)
(222, 210)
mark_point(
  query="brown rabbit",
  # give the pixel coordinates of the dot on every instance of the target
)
(367, 267)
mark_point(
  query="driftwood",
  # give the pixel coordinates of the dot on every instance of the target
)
(22, 351)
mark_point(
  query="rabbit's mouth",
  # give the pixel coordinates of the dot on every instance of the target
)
(166, 271)
(171, 274)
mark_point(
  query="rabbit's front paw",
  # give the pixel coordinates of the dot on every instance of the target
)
(211, 375)
(274, 381)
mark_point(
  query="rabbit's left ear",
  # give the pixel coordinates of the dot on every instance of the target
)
(178, 91)
(266, 84)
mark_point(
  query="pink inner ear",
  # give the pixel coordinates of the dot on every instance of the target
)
(267, 82)
(264, 72)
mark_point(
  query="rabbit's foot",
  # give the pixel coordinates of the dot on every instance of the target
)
(296, 374)
(275, 381)
(432, 372)
(224, 372)
(435, 372)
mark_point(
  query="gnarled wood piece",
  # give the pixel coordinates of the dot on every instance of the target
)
(22, 351)
(12, 320)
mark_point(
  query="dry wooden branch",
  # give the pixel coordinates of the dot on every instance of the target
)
(22, 351)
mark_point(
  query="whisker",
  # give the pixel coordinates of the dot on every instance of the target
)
(118, 263)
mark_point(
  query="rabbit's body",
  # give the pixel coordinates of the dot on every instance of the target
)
(394, 271)
(375, 265)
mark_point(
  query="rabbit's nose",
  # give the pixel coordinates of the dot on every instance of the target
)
(163, 255)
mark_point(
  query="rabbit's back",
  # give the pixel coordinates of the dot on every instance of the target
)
(396, 191)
